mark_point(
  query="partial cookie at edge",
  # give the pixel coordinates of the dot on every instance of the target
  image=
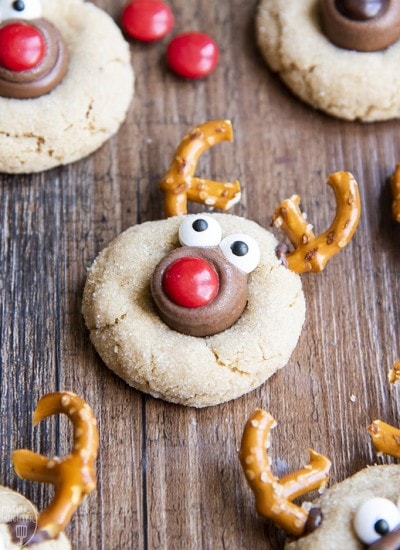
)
(346, 84)
(339, 504)
(85, 109)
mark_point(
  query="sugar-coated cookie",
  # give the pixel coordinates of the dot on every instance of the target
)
(85, 108)
(349, 84)
(134, 342)
(339, 505)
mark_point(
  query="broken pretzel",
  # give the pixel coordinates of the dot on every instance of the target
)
(395, 187)
(385, 438)
(274, 496)
(74, 475)
(311, 253)
(180, 184)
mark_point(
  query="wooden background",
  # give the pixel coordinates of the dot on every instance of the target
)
(168, 476)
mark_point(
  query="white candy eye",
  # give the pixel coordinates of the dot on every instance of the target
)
(374, 518)
(20, 9)
(242, 251)
(199, 230)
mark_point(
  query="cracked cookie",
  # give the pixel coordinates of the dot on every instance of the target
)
(136, 344)
(339, 75)
(67, 116)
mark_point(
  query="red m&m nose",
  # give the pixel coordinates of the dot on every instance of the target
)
(191, 282)
(22, 47)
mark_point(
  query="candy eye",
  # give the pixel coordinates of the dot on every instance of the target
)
(20, 9)
(199, 230)
(374, 518)
(18, 5)
(242, 251)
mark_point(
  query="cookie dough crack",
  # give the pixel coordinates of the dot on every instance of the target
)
(231, 367)
(107, 326)
(40, 140)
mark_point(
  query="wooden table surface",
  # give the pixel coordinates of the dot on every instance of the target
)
(169, 476)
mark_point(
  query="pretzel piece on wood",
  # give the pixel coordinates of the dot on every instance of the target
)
(385, 438)
(394, 373)
(395, 187)
(311, 253)
(73, 476)
(180, 184)
(274, 496)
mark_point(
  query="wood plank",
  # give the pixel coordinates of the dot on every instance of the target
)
(169, 477)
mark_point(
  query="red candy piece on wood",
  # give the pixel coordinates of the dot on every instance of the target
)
(22, 47)
(192, 55)
(191, 282)
(147, 20)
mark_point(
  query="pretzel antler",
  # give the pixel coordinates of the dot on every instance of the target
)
(73, 476)
(179, 183)
(274, 496)
(312, 253)
(395, 187)
(385, 438)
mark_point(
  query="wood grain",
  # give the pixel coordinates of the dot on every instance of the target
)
(169, 477)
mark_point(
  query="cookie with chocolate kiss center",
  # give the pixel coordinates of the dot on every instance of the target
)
(42, 78)
(359, 10)
(367, 26)
(221, 313)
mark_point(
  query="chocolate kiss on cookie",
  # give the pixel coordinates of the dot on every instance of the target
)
(362, 25)
(33, 58)
(65, 83)
(198, 309)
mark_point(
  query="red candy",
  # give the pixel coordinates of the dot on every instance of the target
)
(147, 20)
(192, 55)
(191, 282)
(22, 47)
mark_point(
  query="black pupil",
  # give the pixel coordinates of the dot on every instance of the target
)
(19, 5)
(239, 248)
(200, 225)
(381, 527)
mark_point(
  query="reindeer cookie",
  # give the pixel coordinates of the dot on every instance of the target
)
(340, 57)
(198, 309)
(66, 82)
(73, 477)
(360, 512)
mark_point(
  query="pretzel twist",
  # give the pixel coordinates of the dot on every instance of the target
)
(179, 183)
(74, 475)
(274, 496)
(395, 187)
(385, 438)
(312, 253)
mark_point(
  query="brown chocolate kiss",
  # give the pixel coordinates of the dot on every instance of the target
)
(361, 25)
(224, 310)
(361, 10)
(391, 541)
(43, 78)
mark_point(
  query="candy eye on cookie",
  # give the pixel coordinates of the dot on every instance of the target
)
(377, 523)
(200, 289)
(20, 9)
(33, 55)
